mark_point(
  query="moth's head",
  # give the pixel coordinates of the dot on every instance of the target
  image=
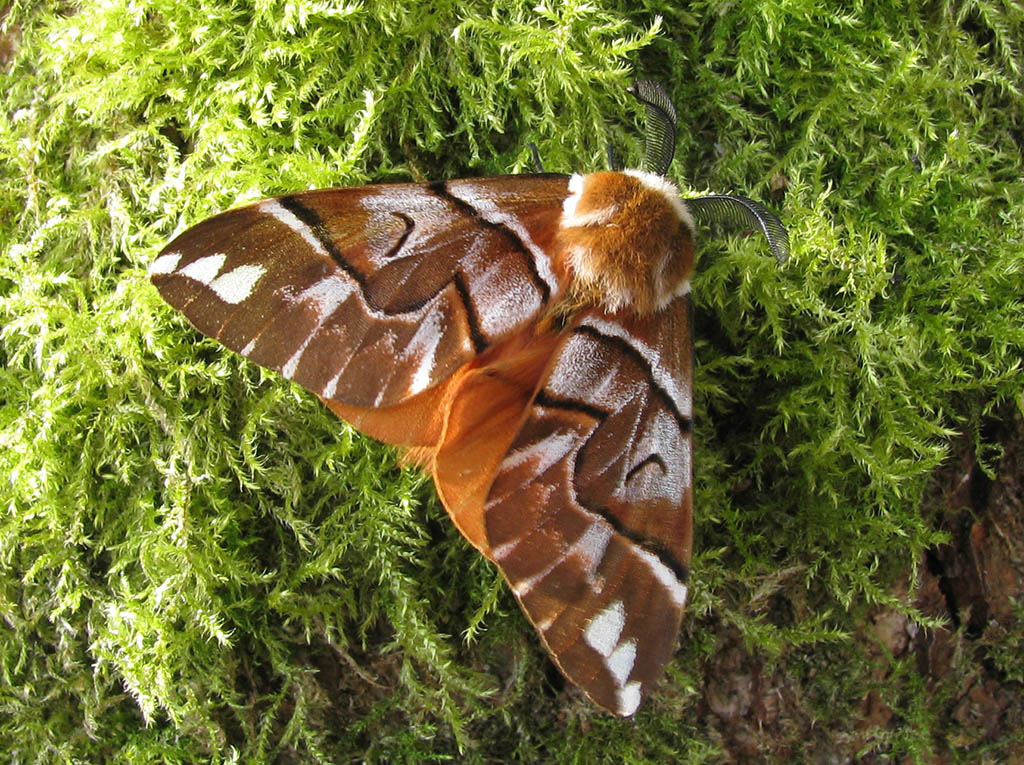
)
(627, 238)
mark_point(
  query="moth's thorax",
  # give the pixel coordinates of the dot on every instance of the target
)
(627, 239)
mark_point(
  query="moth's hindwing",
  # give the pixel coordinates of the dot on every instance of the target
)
(589, 514)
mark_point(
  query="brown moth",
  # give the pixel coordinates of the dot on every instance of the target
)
(528, 338)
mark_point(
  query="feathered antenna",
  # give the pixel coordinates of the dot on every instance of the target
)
(661, 124)
(740, 211)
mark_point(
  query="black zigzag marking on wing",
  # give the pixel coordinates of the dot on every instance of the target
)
(656, 549)
(315, 224)
(440, 188)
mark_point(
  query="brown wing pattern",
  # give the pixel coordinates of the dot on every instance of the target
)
(589, 516)
(368, 296)
(415, 311)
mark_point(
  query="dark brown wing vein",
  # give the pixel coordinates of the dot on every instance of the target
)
(315, 224)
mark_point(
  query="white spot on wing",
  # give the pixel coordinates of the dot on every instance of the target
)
(501, 551)
(165, 264)
(665, 575)
(549, 450)
(602, 634)
(331, 389)
(276, 210)
(325, 295)
(629, 698)
(423, 345)
(288, 370)
(620, 663)
(204, 270)
(237, 284)
(592, 544)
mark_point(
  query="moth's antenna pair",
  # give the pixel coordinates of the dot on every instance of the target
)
(660, 148)
(717, 208)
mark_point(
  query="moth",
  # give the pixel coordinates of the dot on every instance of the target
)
(528, 339)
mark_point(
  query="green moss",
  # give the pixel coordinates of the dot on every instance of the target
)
(200, 563)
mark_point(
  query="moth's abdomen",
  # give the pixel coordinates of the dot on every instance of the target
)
(627, 238)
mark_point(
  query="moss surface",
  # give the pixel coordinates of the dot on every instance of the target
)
(197, 562)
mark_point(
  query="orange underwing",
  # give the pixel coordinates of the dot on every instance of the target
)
(528, 339)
